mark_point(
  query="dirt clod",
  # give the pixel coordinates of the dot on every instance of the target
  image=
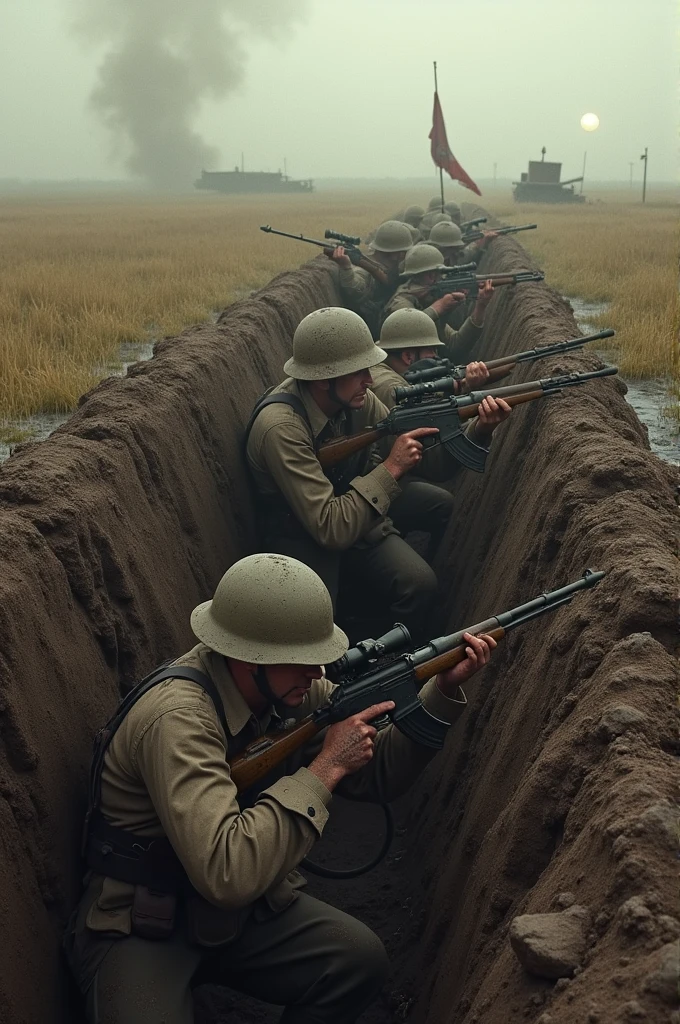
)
(551, 945)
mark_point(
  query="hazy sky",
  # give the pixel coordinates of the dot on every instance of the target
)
(338, 87)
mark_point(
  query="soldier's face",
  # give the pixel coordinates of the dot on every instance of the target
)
(352, 387)
(290, 683)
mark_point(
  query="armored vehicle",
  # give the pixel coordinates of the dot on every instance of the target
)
(541, 184)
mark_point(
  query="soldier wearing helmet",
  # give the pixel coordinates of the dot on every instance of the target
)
(448, 238)
(429, 221)
(361, 290)
(413, 215)
(351, 515)
(190, 881)
(422, 269)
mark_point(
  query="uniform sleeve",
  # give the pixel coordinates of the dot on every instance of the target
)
(459, 344)
(231, 856)
(398, 761)
(355, 283)
(334, 522)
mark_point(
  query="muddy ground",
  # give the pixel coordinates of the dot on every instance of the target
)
(556, 787)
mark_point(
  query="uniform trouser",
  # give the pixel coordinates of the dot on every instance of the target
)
(390, 571)
(324, 966)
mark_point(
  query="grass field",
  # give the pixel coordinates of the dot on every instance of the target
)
(78, 277)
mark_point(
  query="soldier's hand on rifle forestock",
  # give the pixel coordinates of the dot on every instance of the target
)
(407, 451)
(491, 412)
(476, 374)
(486, 239)
(477, 654)
(339, 256)
(447, 302)
(484, 297)
(348, 746)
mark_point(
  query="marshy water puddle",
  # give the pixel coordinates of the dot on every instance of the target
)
(649, 397)
(40, 426)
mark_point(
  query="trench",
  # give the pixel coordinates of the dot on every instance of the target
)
(113, 528)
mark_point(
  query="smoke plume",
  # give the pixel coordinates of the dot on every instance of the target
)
(163, 58)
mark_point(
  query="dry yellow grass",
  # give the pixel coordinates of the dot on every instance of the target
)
(616, 250)
(79, 276)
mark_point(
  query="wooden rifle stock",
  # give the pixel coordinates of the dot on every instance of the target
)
(468, 411)
(262, 756)
(443, 662)
(341, 448)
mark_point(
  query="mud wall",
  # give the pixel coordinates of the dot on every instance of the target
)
(110, 532)
(116, 526)
(558, 786)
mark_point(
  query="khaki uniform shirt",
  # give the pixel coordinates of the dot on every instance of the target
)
(459, 344)
(358, 285)
(166, 774)
(281, 454)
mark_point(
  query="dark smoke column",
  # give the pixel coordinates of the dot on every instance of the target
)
(164, 58)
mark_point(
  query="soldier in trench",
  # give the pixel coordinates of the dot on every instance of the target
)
(422, 270)
(354, 515)
(191, 882)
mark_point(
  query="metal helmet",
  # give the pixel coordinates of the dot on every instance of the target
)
(435, 203)
(447, 235)
(271, 610)
(421, 258)
(392, 236)
(414, 232)
(331, 342)
(409, 328)
(413, 215)
(453, 209)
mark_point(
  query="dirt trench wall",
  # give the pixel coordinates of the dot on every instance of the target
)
(110, 532)
(558, 785)
(114, 528)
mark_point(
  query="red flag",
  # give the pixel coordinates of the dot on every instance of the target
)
(441, 154)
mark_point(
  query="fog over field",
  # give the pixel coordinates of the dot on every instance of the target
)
(156, 90)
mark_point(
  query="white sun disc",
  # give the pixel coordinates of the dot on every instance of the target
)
(589, 122)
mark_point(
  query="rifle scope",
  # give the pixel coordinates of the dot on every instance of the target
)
(338, 236)
(358, 658)
(461, 268)
(416, 392)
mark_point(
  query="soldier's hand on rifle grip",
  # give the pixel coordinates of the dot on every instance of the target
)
(486, 239)
(348, 746)
(407, 452)
(338, 256)
(447, 302)
(478, 653)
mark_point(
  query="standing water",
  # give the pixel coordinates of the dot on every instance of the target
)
(649, 397)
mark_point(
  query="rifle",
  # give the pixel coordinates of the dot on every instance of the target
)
(358, 258)
(504, 364)
(471, 283)
(420, 405)
(389, 669)
(473, 236)
(339, 239)
(467, 224)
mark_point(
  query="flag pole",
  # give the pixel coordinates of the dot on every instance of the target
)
(441, 170)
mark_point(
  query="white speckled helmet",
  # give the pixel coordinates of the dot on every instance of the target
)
(331, 342)
(392, 236)
(409, 328)
(421, 258)
(271, 610)
(447, 235)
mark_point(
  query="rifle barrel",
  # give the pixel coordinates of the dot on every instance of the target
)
(446, 651)
(541, 351)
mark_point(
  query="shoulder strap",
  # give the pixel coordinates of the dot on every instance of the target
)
(104, 736)
(280, 398)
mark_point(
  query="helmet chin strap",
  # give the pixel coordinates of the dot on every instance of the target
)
(262, 683)
(335, 396)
